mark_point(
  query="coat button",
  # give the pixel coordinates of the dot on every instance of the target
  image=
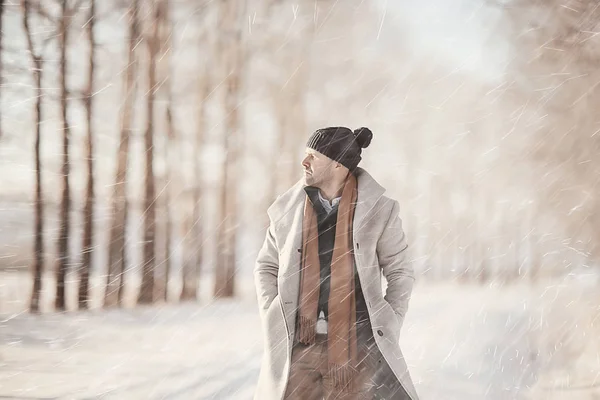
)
(379, 332)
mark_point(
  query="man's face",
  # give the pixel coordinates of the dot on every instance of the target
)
(318, 168)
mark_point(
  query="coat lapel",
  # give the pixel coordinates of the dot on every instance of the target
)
(369, 193)
(283, 212)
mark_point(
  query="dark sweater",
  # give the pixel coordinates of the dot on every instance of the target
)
(326, 224)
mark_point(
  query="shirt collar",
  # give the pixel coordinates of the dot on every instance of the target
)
(326, 204)
(323, 204)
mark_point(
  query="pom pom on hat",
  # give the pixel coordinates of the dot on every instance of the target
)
(363, 137)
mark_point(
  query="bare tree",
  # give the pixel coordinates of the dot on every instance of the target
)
(231, 51)
(192, 262)
(146, 294)
(65, 204)
(193, 235)
(36, 70)
(165, 65)
(534, 253)
(287, 84)
(559, 64)
(1, 52)
(191, 259)
(167, 195)
(116, 248)
(88, 212)
(482, 214)
(298, 122)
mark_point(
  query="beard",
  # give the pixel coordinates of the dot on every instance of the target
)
(309, 179)
(316, 179)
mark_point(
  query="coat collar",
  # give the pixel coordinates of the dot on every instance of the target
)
(369, 193)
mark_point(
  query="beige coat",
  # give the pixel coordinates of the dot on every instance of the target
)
(379, 245)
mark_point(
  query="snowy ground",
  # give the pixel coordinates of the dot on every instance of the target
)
(461, 342)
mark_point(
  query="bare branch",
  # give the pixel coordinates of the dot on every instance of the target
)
(40, 10)
(26, 6)
(76, 6)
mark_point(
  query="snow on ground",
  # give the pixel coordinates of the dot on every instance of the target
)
(460, 342)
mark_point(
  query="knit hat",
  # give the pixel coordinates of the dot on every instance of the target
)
(341, 144)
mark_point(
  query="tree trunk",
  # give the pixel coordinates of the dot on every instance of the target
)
(534, 249)
(280, 108)
(193, 256)
(38, 264)
(189, 283)
(298, 90)
(166, 36)
(275, 160)
(231, 48)
(65, 206)
(168, 222)
(116, 249)
(486, 272)
(1, 52)
(88, 212)
(297, 141)
(146, 294)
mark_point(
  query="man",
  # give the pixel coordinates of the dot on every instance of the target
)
(329, 332)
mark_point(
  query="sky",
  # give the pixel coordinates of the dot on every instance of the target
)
(466, 34)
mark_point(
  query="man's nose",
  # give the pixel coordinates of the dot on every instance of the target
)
(305, 163)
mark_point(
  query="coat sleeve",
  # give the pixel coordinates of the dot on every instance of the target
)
(393, 260)
(266, 270)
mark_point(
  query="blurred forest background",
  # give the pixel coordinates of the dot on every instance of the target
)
(141, 141)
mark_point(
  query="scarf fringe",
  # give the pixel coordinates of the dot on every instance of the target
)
(342, 376)
(308, 331)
